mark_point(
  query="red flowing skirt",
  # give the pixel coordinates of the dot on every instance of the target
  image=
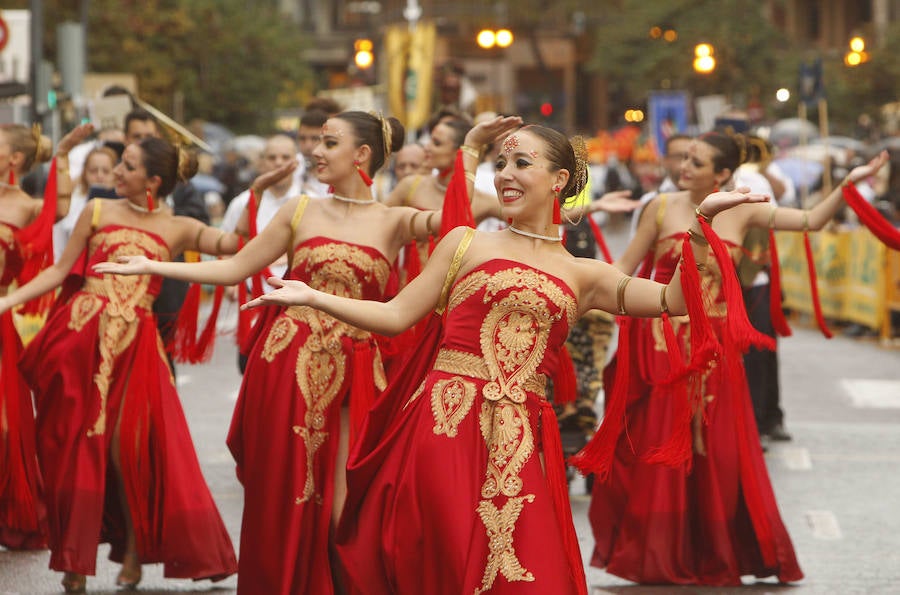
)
(89, 385)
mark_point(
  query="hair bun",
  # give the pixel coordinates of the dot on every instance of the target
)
(187, 163)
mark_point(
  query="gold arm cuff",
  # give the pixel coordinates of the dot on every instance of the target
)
(219, 243)
(772, 217)
(620, 295)
(702, 215)
(805, 220)
(471, 151)
(470, 176)
(197, 238)
(663, 306)
(428, 223)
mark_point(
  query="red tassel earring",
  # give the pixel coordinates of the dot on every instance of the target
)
(557, 217)
(151, 205)
(12, 177)
(365, 177)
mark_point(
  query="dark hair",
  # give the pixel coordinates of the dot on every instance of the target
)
(459, 127)
(730, 149)
(141, 115)
(325, 104)
(447, 113)
(369, 131)
(676, 137)
(172, 164)
(315, 118)
(561, 155)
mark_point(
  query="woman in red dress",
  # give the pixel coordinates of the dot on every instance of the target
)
(310, 378)
(113, 446)
(713, 517)
(457, 483)
(22, 512)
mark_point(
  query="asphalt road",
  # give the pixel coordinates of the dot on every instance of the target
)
(837, 482)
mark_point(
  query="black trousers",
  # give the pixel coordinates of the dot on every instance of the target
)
(761, 365)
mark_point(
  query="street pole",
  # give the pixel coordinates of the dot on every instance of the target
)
(37, 54)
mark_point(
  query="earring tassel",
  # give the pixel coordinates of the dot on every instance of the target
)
(151, 205)
(12, 177)
(365, 177)
(557, 217)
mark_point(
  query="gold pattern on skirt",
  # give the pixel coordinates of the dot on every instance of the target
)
(451, 400)
(500, 525)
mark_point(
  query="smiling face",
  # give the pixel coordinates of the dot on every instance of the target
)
(130, 175)
(334, 155)
(525, 178)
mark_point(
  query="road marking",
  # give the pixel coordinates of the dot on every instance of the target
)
(796, 458)
(873, 394)
(824, 524)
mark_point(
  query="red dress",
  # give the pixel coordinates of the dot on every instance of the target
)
(303, 368)
(451, 497)
(23, 517)
(706, 526)
(97, 369)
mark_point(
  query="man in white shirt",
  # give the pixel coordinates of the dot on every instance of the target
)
(280, 149)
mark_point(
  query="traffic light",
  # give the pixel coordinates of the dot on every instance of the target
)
(363, 56)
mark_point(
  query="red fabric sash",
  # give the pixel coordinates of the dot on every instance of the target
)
(36, 244)
(362, 387)
(598, 236)
(457, 209)
(559, 491)
(814, 287)
(871, 218)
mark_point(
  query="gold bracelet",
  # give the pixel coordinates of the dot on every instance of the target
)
(219, 243)
(412, 224)
(772, 216)
(471, 151)
(805, 220)
(428, 223)
(197, 239)
(664, 307)
(470, 176)
(697, 237)
(620, 295)
(702, 215)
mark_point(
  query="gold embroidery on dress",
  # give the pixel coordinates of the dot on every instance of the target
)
(125, 294)
(338, 269)
(451, 400)
(510, 443)
(84, 307)
(278, 338)
(466, 287)
(500, 525)
(474, 366)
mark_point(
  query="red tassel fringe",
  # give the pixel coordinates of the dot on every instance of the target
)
(871, 218)
(814, 288)
(776, 312)
(456, 210)
(601, 241)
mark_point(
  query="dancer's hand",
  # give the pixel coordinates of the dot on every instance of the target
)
(74, 137)
(264, 181)
(125, 265)
(617, 201)
(287, 293)
(490, 130)
(717, 202)
(861, 172)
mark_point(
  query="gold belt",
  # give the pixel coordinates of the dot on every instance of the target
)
(474, 366)
(97, 286)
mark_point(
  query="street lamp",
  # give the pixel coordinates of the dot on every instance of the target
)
(704, 62)
(363, 56)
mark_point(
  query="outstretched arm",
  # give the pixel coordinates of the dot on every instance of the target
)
(790, 219)
(64, 183)
(386, 318)
(259, 252)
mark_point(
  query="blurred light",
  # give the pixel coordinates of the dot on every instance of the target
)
(486, 39)
(504, 38)
(857, 44)
(702, 50)
(634, 115)
(670, 35)
(782, 95)
(655, 32)
(546, 109)
(363, 45)
(853, 59)
(704, 64)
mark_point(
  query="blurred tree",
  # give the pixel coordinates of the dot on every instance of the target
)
(232, 60)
